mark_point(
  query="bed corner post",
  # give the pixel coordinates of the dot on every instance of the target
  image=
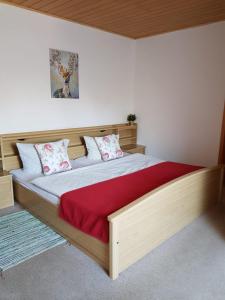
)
(113, 250)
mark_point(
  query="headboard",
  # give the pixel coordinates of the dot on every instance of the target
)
(9, 157)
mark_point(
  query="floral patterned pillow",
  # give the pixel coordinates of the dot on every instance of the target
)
(54, 157)
(109, 147)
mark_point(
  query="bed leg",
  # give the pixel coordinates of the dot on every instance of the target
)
(113, 251)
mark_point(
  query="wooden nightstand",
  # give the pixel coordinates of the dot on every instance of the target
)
(134, 148)
(6, 190)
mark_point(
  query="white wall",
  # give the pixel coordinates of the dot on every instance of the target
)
(105, 73)
(180, 92)
(174, 82)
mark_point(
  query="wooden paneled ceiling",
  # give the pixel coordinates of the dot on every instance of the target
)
(131, 18)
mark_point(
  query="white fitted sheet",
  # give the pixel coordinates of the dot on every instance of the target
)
(25, 178)
(44, 194)
(77, 163)
(60, 183)
(51, 187)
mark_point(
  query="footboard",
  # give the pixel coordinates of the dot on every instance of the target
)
(145, 223)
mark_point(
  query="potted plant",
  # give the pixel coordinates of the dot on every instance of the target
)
(131, 119)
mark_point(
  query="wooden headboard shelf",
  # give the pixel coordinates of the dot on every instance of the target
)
(9, 154)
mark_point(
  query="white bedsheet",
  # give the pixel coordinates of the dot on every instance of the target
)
(61, 183)
(44, 194)
(25, 178)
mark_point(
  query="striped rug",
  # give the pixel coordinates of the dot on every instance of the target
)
(22, 236)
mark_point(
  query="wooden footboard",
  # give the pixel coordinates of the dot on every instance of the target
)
(145, 223)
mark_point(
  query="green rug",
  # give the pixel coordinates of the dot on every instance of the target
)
(22, 236)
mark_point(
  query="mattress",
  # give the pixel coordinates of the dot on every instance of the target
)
(127, 164)
(63, 182)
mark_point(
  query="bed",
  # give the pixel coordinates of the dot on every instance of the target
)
(136, 228)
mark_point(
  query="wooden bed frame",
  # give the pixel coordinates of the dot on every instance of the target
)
(134, 229)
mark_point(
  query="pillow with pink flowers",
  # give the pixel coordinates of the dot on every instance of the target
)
(109, 147)
(54, 157)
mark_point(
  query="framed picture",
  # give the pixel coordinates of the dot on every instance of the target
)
(64, 74)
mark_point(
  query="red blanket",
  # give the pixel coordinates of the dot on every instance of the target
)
(87, 208)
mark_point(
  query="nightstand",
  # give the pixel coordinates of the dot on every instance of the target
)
(134, 148)
(6, 190)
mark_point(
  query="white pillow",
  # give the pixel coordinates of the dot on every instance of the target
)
(92, 148)
(109, 147)
(30, 159)
(54, 157)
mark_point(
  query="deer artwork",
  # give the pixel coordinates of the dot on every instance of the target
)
(65, 73)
